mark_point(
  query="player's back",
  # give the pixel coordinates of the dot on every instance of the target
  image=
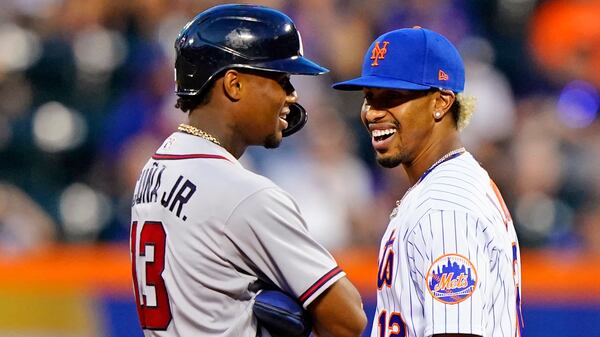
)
(185, 281)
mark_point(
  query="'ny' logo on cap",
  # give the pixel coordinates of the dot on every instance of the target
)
(378, 53)
(442, 76)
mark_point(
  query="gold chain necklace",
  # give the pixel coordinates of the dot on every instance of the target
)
(443, 159)
(197, 132)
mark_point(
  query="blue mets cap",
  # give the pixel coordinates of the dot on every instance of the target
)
(410, 59)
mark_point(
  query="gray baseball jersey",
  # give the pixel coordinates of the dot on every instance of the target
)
(449, 259)
(207, 235)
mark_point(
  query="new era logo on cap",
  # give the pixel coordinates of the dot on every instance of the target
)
(442, 76)
(378, 53)
(410, 59)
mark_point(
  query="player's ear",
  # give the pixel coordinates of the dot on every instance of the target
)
(232, 86)
(443, 101)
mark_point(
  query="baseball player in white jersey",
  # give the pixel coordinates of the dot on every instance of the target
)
(449, 259)
(207, 235)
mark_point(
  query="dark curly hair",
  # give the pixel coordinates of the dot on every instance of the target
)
(189, 103)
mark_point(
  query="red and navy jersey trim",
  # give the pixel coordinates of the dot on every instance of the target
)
(317, 285)
(157, 156)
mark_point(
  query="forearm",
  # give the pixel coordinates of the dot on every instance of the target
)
(338, 312)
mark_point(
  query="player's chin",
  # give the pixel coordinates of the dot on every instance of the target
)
(273, 140)
(388, 161)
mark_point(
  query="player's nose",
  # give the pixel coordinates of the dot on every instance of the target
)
(291, 98)
(370, 114)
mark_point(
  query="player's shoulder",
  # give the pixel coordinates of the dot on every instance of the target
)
(459, 184)
(253, 182)
(210, 165)
(462, 175)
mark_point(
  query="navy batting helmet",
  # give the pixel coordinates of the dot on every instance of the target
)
(240, 36)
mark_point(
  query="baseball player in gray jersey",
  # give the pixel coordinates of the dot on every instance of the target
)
(207, 235)
(449, 260)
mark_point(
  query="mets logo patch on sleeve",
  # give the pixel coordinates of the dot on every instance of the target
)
(451, 279)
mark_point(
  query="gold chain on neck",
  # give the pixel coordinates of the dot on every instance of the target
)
(197, 132)
(446, 156)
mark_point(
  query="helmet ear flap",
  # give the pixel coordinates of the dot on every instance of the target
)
(296, 119)
(185, 73)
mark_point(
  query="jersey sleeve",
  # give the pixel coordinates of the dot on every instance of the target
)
(268, 230)
(448, 264)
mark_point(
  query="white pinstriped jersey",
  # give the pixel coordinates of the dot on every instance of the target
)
(449, 259)
(208, 234)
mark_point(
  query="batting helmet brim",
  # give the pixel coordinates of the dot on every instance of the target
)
(296, 65)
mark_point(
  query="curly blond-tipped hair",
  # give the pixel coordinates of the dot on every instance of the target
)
(466, 107)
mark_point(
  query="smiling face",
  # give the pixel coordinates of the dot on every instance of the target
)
(268, 97)
(400, 123)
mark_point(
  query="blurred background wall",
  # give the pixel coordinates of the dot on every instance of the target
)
(86, 95)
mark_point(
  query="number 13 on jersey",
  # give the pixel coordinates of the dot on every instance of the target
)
(147, 265)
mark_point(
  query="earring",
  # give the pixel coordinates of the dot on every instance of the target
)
(437, 115)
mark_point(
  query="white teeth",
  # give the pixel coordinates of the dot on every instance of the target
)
(379, 133)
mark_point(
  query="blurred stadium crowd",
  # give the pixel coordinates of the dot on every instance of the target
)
(86, 95)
